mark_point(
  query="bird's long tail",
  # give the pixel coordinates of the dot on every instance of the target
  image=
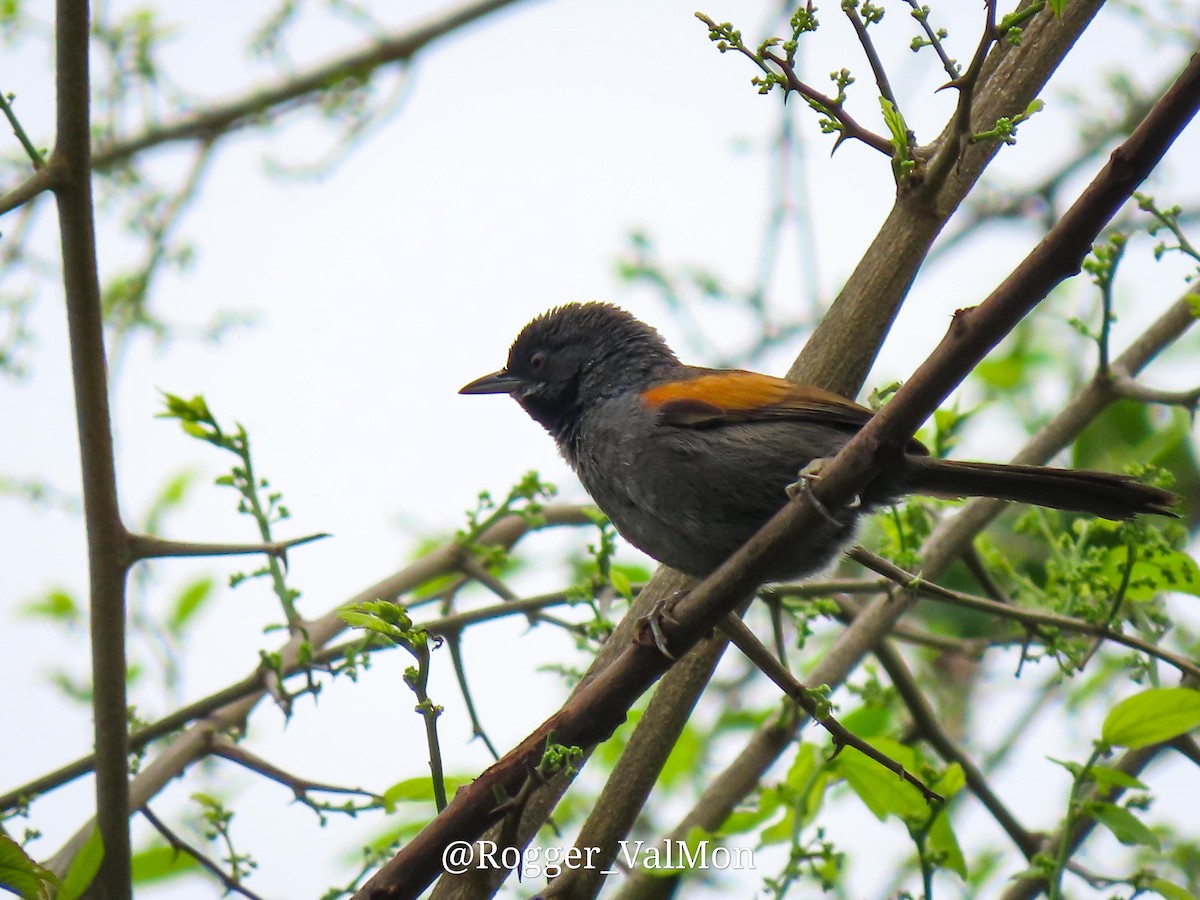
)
(1099, 493)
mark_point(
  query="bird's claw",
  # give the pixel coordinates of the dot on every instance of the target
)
(649, 627)
(803, 485)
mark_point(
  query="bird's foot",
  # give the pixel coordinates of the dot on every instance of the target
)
(803, 484)
(649, 627)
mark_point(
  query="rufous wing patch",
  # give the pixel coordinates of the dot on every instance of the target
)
(737, 396)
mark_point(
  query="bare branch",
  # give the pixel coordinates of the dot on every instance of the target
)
(1027, 617)
(106, 536)
(297, 90)
(194, 742)
(1129, 389)
(850, 128)
(44, 179)
(766, 662)
(300, 787)
(148, 546)
(34, 154)
(931, 730)
(933, 38)
(181, 846)
(868, 45)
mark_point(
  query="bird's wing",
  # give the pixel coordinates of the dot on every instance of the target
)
(723, 397)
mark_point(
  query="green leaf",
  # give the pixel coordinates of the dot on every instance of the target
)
(943, 842)
(1125, 826)
(161, 863)
(883, 792)
(743, 821)
(951, 781)
(418, 790)
(83, 868)
(189, 602)
(21, 875)
(1106, 776)
(620, 581)
(895, 123)
(868, 721)
(1073, 767)
(1153, 716)
(1171, 891)
(57, 605)
(809, 776)
(170, 497)
(1159, 570)
(368, 621)
(408, 791)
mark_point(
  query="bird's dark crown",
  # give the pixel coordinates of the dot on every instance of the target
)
(579, 353)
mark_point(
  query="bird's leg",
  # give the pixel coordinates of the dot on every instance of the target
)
(649, 627)
(803, 484)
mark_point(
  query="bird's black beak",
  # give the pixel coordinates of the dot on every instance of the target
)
(497, 383)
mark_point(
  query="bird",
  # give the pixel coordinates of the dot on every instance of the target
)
(689, 462)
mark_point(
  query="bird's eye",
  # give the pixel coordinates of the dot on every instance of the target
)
(537, 361)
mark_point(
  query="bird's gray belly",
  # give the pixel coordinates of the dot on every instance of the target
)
(669, 493)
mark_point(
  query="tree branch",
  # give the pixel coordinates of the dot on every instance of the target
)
(298, 89)
(106, 537)
(868, 45)
(802, 696)
(35, 155)
(842, 349)
(443, 625)
(1129, 389)
(195, 742)
(44, 179)
(1031, 618)
(148, 546)
(181, 846)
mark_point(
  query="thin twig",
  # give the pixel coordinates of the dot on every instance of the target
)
(34, 154)
(754, 649)
(44, 179)
(981, 574)
(921, 14)
(298, 89)
(454, 645)
(148, 546)
(850, 128)
(1131, 763)
(868, 45)
(445, 625)
(300, 787)
(1130, 389)
(970, 648)
(182, 846)
(1027, 617)
(931, 730)
(296, 654)
(966, 84)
